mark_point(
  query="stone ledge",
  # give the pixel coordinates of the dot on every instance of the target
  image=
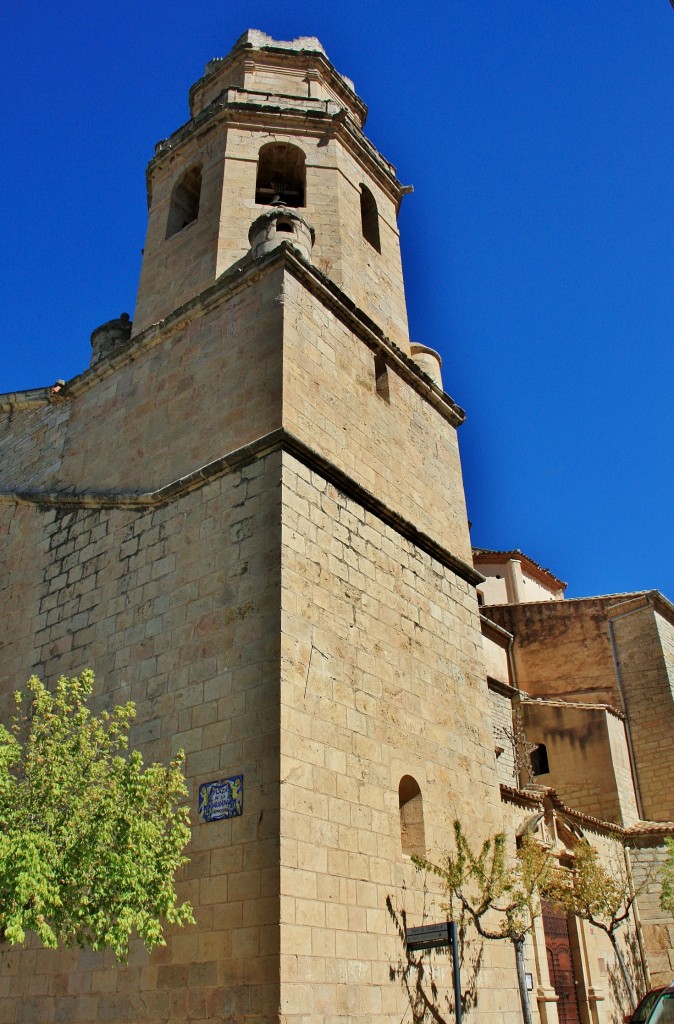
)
(233, 280)
(276, 440)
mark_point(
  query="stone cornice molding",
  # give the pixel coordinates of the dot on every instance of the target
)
(255, 47)
(241, 275)
(244, 109)
(277, 440)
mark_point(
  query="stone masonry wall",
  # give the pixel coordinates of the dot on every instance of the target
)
(395, 445)
(381, 678)
(504, 739)
(581, 758)
(203, 390)
(177, 608)
(644, 644)
(647, 858)
(31, 443)
(176, 268)
(622, 769)
(372, 280)
(562, 649)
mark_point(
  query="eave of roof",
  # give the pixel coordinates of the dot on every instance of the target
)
(535, 798)
(484, 555)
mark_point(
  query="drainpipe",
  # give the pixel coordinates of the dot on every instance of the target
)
(523, 778)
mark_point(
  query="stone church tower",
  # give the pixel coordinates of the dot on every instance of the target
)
(248, 516)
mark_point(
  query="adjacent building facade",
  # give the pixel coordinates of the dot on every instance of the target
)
(248, 517)
(582, 698)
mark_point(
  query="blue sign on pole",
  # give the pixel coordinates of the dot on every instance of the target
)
(221, 799)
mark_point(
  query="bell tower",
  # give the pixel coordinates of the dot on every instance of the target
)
(273, 123)
(248, 517)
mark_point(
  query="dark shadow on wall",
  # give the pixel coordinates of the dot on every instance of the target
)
(616, 981)
(415, 972)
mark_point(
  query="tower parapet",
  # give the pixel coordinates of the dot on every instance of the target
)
(259, 64)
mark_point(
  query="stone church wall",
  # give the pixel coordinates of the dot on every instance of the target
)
(177, 608)
(645, 642)
(587, 757)
(393, 442)
(381, 678)
(657, 925)
(182, 397)
(31, 443)
(504, 738)
(562, 648)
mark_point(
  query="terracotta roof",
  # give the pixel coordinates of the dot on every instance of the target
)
(651, 828)
(535, 797)
(482, 555)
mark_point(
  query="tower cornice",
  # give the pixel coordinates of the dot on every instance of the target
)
(285, 115)
(232, 281)
(305, 55)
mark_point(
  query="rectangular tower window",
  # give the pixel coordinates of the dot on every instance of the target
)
(381, 377)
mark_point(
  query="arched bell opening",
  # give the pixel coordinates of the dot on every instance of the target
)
(184, 208)
(281, 175)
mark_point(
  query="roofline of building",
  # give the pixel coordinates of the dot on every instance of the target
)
(535, 799)
(244, 44)
(533, 568)
(237, 277)
(579, 705)
(622, 604)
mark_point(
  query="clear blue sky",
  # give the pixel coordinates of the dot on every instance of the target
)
(538, 245)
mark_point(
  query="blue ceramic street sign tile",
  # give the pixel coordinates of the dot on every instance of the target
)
(221, 799)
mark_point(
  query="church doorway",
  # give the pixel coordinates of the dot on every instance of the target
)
(560, 962)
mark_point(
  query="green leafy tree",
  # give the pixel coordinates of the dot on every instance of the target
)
(601, 895)
(500, 898)
(90, 838)
(667, 878)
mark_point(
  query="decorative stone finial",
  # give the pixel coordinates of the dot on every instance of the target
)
(428, 360)
(277, 225)
(109, 336)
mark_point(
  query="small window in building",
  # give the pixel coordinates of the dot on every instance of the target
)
(369, 218)
(381, 377)
(284, 225)
(184, 208)
(539, 760)
(411, 817)
(281, 175)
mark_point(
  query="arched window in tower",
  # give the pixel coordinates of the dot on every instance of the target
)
(184, 208)
(281, 175)
(369, 218)
(412, 833)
